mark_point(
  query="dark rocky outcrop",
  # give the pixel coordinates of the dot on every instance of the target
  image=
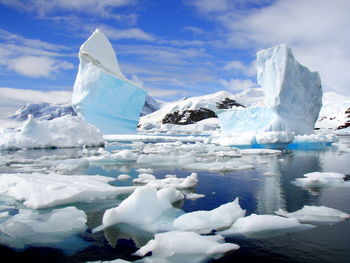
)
(188, 116)
(347, 123)
(228, 104)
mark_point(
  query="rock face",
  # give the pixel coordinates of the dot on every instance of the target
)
(188, 116)
(102, 95)
(42, 111)
(293, 97)
(228, 104)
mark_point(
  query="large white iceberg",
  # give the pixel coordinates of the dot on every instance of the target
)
(293, 97)
(102, 95)
(66, 131)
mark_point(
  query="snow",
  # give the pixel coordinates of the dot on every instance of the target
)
(204, 222)
(316, 214)
(293, 97)
(49, 190)
(180, 246)
(170, 181)
(101, 94)
(40, 229)
(66, 131)
(123, 177)
(262, 225)
(320, 179)
(146, 208)
(259, 151)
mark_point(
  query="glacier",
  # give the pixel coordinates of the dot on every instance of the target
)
(102, 95)
(293, 97)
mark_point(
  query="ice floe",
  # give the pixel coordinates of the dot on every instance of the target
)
(123, 177)
(41, 229)
(66, 131)
(49, 190)
(320, 179)
(205, 221)
(170, 181)
(316, 214)
(146, 208)
(180, 246)
(263, 226)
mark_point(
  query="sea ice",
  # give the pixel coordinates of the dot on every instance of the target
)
(66, 131)
(170, 181)
(320, 179)
(315, 214)
(146, 208)
(123, 177)
(293, 97)
(180, 246)
(49, 190)
(262, 226)
(40, 229)
(204, 222)
(119, 156)
(259, 151)
(101, 94)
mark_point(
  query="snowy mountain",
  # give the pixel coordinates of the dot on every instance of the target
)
(196, 114)
(151, 105)
(42, 111)
(335, 112)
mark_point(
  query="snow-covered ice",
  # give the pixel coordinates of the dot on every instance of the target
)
(205, 221)
(49, 190)
(170, 181)
(40, 229)
(263, 225)
(66, 131)
(293, 97)
(146, 208)
(316, 214)
(180, 246)
(320, 179)
(123, 177)
(101, 94)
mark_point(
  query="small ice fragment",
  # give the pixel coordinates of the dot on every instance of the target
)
(123, 177)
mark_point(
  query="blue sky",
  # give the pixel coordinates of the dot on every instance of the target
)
(173, 48)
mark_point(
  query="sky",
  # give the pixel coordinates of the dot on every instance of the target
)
(172, 48)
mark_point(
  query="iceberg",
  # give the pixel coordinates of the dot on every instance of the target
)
(316, 214)
(203, 222)
(101, 94)
(180, 246)
(293, 97)
(41, 229)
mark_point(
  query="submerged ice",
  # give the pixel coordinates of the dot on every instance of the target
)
(293, 97)
(102, 95)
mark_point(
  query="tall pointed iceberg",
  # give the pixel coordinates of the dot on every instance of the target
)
(101, 94)
(293, 97)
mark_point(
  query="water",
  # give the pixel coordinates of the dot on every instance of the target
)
(257, 193)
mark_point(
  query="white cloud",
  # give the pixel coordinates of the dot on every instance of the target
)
(208, 6)
(102, 8)
(36, 67)
(238, 84)
(12, 99)
(195, 30)
(164, 92)
(130, 33)
(238, 66)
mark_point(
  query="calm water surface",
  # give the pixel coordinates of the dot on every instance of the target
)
(257, 193)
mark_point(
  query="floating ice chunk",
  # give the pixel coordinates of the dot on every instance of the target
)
(70, 165)
(178, 183)
(193, 196)
(66, 131)
(259, 151)
(219, 166)
(35, 229)
(4, 214)
(49, 190)
(320, 179)
(179, 246)
(120, 156)
(123, 177)
(161, 160)
(101, 94)
(263, 225)
(146, 208)
(205, 221)
(282, 137)
(315, 214)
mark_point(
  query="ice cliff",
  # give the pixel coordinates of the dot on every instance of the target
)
(101, 94)
(293, 97)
